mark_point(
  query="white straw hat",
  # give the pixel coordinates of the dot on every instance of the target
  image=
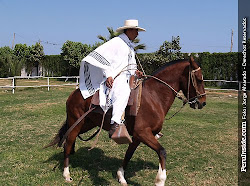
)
(131, 23)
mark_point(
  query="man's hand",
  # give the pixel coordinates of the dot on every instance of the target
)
(138, 73)
(109, 82)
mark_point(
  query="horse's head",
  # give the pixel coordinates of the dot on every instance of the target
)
(194, 89)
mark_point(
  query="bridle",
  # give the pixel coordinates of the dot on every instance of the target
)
(185, 100)
(192, 79)
(194, 82)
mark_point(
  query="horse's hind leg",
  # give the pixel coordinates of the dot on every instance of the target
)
(69, 145)
(129, 153)
(68, 149)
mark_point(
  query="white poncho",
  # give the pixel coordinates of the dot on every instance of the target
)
(110, 59)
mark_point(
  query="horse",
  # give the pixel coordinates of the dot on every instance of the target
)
(158, 94)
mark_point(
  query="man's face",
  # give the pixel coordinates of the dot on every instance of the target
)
(132, 33)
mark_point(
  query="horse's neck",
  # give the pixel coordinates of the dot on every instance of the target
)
(162, 93)
(172, 75)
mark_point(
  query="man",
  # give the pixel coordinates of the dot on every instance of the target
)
(108, 69)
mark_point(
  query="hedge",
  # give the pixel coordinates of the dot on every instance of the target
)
(215, 66)
(54, 65)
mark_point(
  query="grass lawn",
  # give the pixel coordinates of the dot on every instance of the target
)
(201, 145)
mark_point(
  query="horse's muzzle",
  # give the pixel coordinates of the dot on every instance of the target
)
(198, 105)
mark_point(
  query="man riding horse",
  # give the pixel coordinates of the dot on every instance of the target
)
(108, 69)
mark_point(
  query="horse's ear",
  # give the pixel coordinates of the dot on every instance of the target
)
(193, 63)
(191, 59)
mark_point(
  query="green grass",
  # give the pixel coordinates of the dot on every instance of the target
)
(201, 145)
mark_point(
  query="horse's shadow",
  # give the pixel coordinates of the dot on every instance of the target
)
(96, 161)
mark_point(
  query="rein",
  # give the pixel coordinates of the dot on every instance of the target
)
(194, 82)
(73, 126)
(185, 100)
(191, 74)
(191, 77)
(176, 94)
(165, 83)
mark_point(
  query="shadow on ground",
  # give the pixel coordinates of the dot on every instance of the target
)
(96, 161)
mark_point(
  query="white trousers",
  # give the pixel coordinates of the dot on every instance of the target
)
(120, 95)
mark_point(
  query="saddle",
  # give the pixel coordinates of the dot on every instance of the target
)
(133, 102)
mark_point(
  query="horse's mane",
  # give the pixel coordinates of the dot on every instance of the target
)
(167, 64)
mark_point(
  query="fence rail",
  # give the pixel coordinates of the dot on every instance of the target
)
(48, 85)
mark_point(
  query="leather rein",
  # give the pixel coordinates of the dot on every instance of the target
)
(185, 100)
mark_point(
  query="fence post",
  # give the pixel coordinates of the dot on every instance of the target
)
(48, 82)
(77, 82)
(13, 85)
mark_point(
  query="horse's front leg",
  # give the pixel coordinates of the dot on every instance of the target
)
(162, 174)
(148, 139)
(129, 153)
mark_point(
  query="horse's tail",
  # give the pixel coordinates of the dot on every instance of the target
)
(59, 135)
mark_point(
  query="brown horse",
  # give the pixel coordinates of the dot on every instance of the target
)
(158, 94)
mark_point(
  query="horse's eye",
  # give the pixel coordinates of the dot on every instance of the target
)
(199, 76)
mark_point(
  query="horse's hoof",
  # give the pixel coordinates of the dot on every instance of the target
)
(69, 179)
(120, 176)
(123, 183)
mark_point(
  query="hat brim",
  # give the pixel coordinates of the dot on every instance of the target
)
(121, 29)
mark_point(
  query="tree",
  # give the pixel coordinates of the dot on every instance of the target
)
(171, 50)
(5, 55)
(113, 34)
(21, 51)
(34, 55)
(168, 51)
(9, 64)
(74, 52)
(139, 46)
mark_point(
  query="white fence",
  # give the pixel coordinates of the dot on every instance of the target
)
(48, 85)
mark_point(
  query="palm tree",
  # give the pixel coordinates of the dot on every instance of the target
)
(113, 34)
(139, 46)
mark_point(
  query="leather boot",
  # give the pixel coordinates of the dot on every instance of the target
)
(113, 129)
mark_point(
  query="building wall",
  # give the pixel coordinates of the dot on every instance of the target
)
(36, 71)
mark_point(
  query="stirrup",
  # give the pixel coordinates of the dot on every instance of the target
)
(121, 135)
